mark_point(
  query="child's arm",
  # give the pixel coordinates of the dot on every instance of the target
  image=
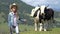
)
(22, 20)
(9, 18)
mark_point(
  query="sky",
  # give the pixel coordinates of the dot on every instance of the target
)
(55, 4)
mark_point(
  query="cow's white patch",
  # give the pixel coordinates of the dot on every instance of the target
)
(41, 27)
(36, 27)
(34, 10)
(42, 8)
(38, 14)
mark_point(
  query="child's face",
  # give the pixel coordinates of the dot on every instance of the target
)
(14, 9)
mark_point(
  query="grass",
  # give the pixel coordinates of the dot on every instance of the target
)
(54, 31)
(26, 29)
(57, 19)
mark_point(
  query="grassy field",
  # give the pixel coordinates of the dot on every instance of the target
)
(27, 29)
(24, 11)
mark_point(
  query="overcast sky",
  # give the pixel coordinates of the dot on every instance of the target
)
(52, 3)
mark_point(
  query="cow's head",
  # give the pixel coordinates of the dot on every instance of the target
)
(42, 8)
(34, 10)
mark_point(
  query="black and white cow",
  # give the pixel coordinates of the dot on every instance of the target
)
(42, 14)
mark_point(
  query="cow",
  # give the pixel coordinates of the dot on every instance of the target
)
(42, 14)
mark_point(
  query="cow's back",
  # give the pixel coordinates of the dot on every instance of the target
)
(49, 13)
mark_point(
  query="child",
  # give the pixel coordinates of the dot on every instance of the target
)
(12, 19)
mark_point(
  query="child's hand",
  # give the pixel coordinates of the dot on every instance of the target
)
(23, 20)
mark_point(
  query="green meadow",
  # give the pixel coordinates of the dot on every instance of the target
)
(27, 29)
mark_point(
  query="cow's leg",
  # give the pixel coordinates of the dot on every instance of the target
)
(45, 26)
(48, 24)
(51, 24)
(41, 27)
(36, 26)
